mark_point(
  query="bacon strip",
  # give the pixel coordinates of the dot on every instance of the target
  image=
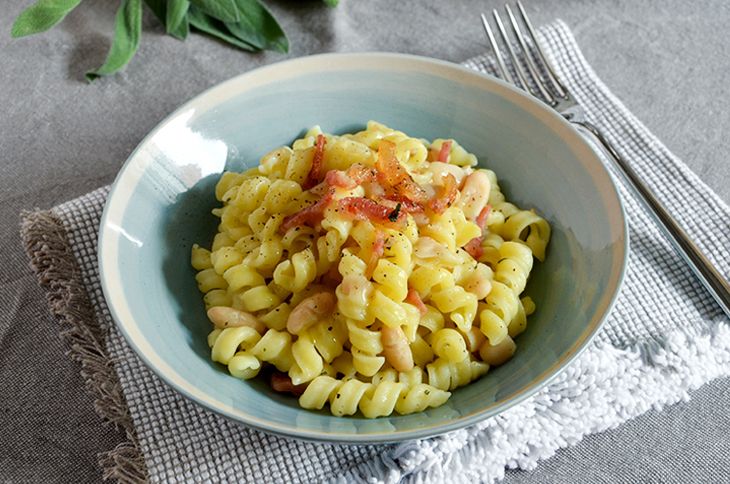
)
(355, 175)
(362, 208)
(394, 177)
(405, 204)
(310, 215)
(445, 195)
(338, 178)
(414, 298)
(280, 382)
(481, 220)
(361, 174)
(390, 171)
(444, 152)
(376, 253)
(315, 173)
(474, 248)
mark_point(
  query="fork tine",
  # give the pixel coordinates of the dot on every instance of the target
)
(506, 75)
(556, 84)
(515, 60)
(531, 67)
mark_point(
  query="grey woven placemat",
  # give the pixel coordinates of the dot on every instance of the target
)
(663, 338)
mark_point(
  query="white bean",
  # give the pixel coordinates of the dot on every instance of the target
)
(396, 349)
(479, 282)
(498, 354)
(440, 170)
(224, 317)
(311, 310)
(475, 194)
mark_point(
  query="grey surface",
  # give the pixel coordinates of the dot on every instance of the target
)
(60, 138)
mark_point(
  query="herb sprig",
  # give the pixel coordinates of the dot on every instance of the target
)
(245, 24)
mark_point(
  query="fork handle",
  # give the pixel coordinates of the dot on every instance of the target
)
(715, 283)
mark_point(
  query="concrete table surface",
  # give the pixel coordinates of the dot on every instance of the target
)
(60, 138)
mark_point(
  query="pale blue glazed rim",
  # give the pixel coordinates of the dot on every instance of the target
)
(150, 217)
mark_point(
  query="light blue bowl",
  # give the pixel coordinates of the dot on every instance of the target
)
(161, 201)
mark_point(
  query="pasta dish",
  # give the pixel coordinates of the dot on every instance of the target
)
(370, 272)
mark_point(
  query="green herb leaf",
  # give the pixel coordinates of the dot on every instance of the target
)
(176, 12)
(215, 28)
(182, 31)
(331, 3)
(258, 27)
(41, 16)
(159, 8)
(127, 33)
(223, 10)
(393, 216)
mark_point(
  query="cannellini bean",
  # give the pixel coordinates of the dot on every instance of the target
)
(356, 283)
(440, 170)
(224, 317)
(498, 354)
(309, 311)
(479, 287)
(396, 349)
(427, 248)
(479, 282)
(475, 194)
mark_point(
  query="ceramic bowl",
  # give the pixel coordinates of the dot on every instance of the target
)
(161, 201)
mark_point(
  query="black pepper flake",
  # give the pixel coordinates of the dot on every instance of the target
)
(337, 396)
(329, 328)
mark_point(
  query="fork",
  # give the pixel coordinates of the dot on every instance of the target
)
(540, 80)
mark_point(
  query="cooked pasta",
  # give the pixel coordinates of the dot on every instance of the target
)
(372, 272)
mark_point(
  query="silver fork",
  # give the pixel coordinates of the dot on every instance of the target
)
(540, 80)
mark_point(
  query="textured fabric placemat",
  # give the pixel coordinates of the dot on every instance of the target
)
(664, 338)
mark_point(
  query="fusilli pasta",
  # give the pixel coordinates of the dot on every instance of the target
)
(374, 271)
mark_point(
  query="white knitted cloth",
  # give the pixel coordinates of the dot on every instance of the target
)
(664, 337)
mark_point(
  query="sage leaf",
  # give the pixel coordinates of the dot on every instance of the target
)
(176, 12)
(223, 10)
(41, 16)
(159, 8)
(182, 30)
(127, 33)
(258, 27)
(215, 28)
(331, 3)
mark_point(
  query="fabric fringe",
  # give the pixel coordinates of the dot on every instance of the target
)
(623, 383)
(51, 258)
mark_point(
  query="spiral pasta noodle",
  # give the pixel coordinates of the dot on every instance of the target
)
(374, 272)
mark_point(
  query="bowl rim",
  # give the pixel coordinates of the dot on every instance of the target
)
(304, 65)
